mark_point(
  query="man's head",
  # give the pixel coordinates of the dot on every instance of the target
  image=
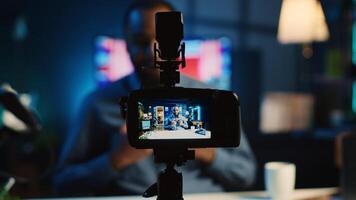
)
(176, 110)
(139, 30)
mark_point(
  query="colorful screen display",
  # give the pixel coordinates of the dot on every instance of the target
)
(208, 61)
(173, 119)
(111, 59)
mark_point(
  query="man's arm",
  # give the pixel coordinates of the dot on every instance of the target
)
(183, 122)
(233, 168)
(87, 163)
(85, 178)
(84, 163)
(171, 123)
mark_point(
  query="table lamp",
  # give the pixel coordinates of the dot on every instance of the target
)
(302, 21)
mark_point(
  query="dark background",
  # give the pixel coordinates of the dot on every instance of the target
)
(54, 61)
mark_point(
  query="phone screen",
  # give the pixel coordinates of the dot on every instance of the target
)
(173, 119)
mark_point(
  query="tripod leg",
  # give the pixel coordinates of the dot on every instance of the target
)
(170, 185)
(151, 191)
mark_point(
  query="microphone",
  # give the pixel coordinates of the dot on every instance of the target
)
(169, 34)
(169, 46)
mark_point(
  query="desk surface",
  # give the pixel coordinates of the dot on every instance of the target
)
(299, 194)
(177, 134)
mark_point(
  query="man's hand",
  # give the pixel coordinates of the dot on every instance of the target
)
(181, 123)
(173, 123)
(206, 156)
(127, 155)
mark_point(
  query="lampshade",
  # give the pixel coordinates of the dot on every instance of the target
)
(302, 21)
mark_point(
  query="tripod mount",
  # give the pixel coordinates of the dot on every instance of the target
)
(170, 182)
(169, 69)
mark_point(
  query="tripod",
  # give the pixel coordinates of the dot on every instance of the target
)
(170, 182)
(169, 33)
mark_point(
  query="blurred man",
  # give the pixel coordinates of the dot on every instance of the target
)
(96, 157)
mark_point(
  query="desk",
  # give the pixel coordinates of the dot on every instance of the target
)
(176, 134)
(299, 194)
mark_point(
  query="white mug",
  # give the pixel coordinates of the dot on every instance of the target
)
(280, 180)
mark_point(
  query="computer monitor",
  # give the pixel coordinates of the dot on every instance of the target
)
(208, 61)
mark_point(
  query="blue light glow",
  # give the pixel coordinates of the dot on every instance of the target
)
(199, 117)
(354, 43)
(354, 96)
(101, 58)
(193, 47)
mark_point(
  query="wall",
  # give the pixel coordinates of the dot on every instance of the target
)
(250, 24)
(55, 61)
